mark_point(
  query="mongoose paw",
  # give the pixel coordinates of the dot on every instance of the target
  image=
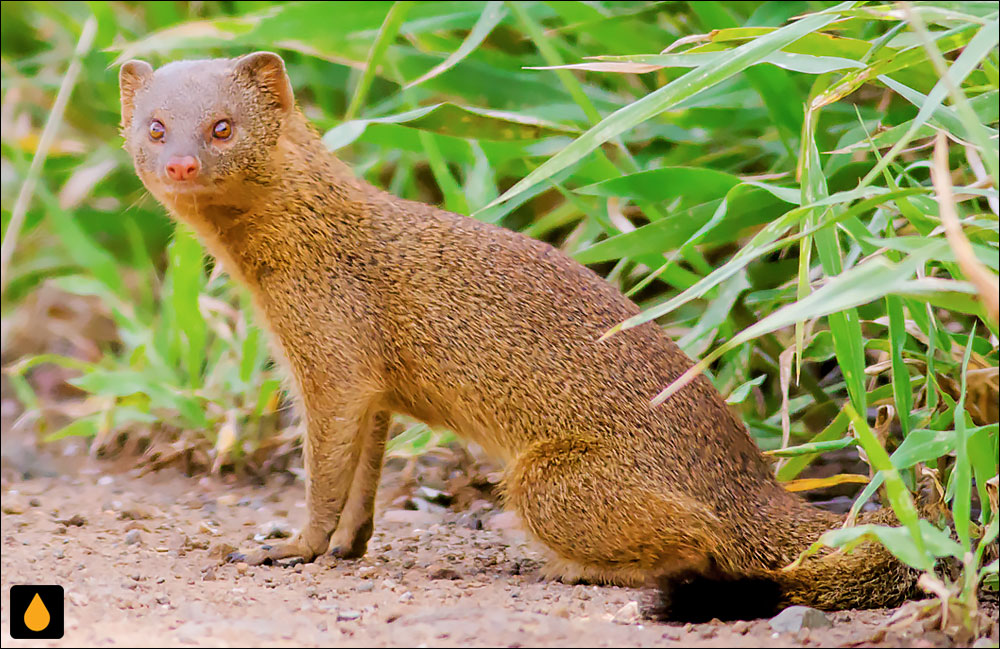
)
(350, 542)
(347, 551)
(273, 554)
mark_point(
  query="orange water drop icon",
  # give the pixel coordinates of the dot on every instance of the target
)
(36, 617)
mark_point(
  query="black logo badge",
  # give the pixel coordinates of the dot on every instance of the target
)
(36, 612)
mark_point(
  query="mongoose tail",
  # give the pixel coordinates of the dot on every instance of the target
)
(867, 577)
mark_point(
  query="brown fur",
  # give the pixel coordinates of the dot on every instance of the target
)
(378, 305)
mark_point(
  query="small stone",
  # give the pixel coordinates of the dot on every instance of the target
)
(442, 572)
(741, 627)
(133, 537)
(273, 530)
(435, 496)
(290, 562)
(74, 521)
(208, 529)
(708, 632)
(794, 618)
(405, 597)
(135, 513)
(365, 587)
(77, 599)
(221, 550)
(347, 615)
(628, 614)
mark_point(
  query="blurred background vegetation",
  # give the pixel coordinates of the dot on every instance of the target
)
(759, 176)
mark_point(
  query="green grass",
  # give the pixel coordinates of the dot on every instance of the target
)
(757, 176)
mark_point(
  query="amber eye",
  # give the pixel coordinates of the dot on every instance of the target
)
(222, 129)
(157, 130)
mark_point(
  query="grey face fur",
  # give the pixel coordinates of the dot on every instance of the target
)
(189, 98)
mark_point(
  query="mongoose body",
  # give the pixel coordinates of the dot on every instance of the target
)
(378, 305)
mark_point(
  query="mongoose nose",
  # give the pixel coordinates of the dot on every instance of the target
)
(183, 168)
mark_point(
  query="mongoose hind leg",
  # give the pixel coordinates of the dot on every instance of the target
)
(350, 540)
(604, 520)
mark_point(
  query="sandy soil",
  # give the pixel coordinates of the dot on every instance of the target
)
(140, 558)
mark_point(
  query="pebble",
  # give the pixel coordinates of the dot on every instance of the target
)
(75, 521)
(76, 598)
(272, 530)
(628, 614)
(794, 618)
(365, 587)
(347, 615)
(442, 572)
(741, 627)
(133, 537)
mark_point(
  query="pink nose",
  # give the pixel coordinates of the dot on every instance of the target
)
(183, 168)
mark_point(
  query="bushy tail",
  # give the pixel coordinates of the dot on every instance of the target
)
(867, 577)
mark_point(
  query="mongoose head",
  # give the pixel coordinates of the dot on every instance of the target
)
(202, 132)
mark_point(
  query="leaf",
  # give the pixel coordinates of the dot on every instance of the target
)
(666, 183)
(860, 285)
(813, 447)
(762, 243)
(808, 484)
(490, 18)
(454, 120)
(740, 393)
(669, 95)
(386, 34)
(643, 63)
(82, 427)
(896, 540)
(122, 383)
(899, 495)
(744, 207)
(986, 106)
(341, 32)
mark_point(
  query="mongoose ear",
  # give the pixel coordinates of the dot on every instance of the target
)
(267, 70)
(133, 75)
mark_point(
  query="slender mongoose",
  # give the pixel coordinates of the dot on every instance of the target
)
(376, 305)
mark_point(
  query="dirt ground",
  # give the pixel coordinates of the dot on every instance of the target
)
(140, 558)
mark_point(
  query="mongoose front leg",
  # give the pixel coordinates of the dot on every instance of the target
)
(350, 540)
(333, 447)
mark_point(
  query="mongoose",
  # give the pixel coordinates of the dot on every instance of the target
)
(378, 305)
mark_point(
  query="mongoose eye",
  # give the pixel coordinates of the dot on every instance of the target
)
(222, 129)
(157, 130)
